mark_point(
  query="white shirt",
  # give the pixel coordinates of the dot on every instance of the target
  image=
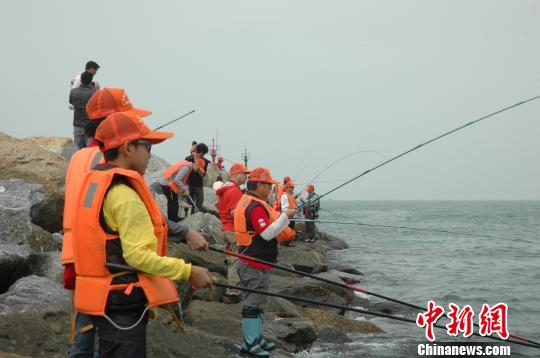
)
(284, 202)
(218, 185)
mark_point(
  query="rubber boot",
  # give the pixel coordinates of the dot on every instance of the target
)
(267, 346)
(251, 331)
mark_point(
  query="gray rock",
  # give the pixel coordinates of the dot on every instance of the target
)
(34, 295)
(347, 269)
(212, 173)
(290, 334)
(31, 163)
(348, 277)
(204, 222)
(156, 164)
(214, 294)
(213, 261)
(12, 264)
(210, 200)
(281, 307)
(331, 335)
(305, 257)
(46, 265)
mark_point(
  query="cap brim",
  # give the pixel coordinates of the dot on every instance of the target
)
(156, 137)
(141, 112)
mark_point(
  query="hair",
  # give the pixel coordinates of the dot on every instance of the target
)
(194, 142)
(251, 185)
(90, 65)
(201, 148)
(86, 77)
(109, 155)
(219, 178)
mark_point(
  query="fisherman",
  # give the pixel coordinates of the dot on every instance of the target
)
(117, 221)
(218, 184)
(219, 163)
(196, 177)
(78, 98)
(228, 197)
(311, 212)
(101, 104)
(278, 192)
(288, 199)
(258, 229)
(174, 182)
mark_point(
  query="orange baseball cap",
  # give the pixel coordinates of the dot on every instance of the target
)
(122, 127)
(262, 175)
(237, 168)
(111, 100)
(310, 188)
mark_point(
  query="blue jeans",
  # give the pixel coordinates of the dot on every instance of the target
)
(85, 344)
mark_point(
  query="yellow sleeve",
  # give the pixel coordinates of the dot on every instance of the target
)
(125, 212)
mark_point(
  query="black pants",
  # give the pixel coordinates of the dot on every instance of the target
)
(172, 203)
(119, 343)
(197, 195)
(310, 230)
(292, 224)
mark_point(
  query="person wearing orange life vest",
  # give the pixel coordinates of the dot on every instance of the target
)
(278, 191)
(101, 103)
(117, 221)
(174, 182)
(311, 212)
(258, 228)
(228, 196)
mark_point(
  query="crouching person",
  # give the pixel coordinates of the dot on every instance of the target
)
(258, 228)
(118, 222)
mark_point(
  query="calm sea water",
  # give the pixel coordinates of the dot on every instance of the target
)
(417, 266)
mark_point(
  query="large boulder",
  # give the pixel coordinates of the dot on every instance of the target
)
(33, 164)
(12, 264)
(47, 264)
(157, 164)
(61, 146)
(19, 202)
(34, 295)
(210, 201)
(204, 222)
(291, 334)
(305, 257)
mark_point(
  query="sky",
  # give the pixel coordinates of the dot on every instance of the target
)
(301, 84)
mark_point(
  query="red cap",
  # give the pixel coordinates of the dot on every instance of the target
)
(111, 100)
(262, 175)
(123, 127)
(238, 168)
(310, 188)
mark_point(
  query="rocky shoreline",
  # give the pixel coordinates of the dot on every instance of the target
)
(35, 308)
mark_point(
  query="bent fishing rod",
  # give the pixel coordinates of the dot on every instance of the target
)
(340, 284)
(359, 310)
(420, 146)
(174, 120)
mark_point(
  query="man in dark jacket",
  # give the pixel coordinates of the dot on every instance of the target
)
(78, 97)
(196, 177)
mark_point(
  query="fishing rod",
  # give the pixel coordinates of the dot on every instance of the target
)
(174, 120)
(422, 145)
(216, 242)
(359, 310)
(411, 228)
(340, 284)
(327, 304)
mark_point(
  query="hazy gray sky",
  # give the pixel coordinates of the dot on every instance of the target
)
(301, 83)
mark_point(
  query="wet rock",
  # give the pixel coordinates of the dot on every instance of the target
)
(34, 295)
(12, 264)
(281, 307)
(320, 291)
(332, 335)
(347, 277)
(332, 242)
(347, 269)
(290, 334)
(32, 164)
(322, 318)
(46, 265)
(213, 261)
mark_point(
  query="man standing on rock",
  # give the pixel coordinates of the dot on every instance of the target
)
(228, 197)
(119, 234)
(311, 212)
(196, 177)
(78, 98)
(258, 228)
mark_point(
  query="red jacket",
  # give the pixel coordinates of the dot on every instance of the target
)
(228, 197)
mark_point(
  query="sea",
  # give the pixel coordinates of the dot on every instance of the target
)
(501, 265)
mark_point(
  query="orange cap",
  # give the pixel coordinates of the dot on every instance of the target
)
(111, 100)
(262, 175)
(123, 127)
(310, 188)
(237, 168)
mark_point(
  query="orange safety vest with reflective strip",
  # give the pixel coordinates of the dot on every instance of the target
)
(94, 280)
(244, 236)
(80, 164)
(170, 172)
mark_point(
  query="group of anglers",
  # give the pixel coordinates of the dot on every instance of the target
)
(112, 222)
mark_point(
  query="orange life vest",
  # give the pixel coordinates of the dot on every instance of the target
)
(80, 164)
(94, 280)
(170, 172)
(244, 236)
(290, 198)
(279, 193)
